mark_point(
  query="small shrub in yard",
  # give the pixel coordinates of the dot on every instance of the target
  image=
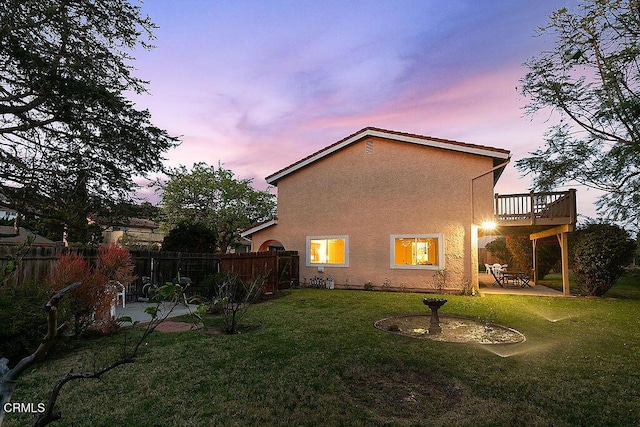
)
(440, 279)
(23, 320)
(209, 288)
(115, 264)
(80, 305)
(467, 288)
(600, 253)
(231, 297)
(89, 305)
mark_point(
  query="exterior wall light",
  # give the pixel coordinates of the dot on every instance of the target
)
(488, 225)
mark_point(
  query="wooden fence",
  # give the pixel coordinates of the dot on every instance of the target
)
(35, 266)
(281, 268)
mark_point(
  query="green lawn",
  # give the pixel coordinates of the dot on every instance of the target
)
(628, 287)
(313, 357)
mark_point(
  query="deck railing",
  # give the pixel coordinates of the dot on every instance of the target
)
(549, 208)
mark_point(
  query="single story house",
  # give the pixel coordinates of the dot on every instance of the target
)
(385, 209)
(134, 231)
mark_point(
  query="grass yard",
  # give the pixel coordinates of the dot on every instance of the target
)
(312, 357)
(628, 287)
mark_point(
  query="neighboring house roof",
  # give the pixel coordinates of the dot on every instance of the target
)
(142, 223)
(498, 154)
(258, 227)
(129, 222)
(9, 237)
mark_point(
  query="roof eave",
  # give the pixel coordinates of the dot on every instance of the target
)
(259, 227)
(380, 133)
(498, 172)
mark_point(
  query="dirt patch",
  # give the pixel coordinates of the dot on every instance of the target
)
(176, 326)
(408, 396)
(173, 326)
(212, 331)
(398, 393)
(454, 329)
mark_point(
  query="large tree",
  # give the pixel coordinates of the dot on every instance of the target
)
(70, 141)
(214, 197)
(591, 79)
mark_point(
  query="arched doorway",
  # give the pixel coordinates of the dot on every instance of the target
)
(271, 245)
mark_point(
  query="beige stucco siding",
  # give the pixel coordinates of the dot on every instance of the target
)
(399, 189)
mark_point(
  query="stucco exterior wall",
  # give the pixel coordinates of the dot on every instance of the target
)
(398, 189)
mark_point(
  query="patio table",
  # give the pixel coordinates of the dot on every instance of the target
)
(518, 278)
(510, 277)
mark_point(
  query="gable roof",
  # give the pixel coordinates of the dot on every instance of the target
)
(498, 154)
(8, 236)
(126, 222)
(257, 227)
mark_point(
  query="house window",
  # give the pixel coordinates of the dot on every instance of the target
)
(417, 251)
(331, 251)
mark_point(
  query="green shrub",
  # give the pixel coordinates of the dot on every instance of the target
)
(600, 253)
(498, 249)
(23, 319)
(215, 285)
(521, 249)
(548, 257)
(228, 295)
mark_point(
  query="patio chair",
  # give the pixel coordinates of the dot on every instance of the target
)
(498, 278)
(122, 293)
(525, 279)
(488, 268)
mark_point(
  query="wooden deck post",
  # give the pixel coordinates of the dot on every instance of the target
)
(562, 234)
(535, 261)
(563, 239)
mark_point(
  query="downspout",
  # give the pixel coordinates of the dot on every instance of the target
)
(493, 169)
(474, 230)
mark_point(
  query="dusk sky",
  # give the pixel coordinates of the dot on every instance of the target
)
(258, 85)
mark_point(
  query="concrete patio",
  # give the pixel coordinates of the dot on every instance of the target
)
(486, 282)
(136, 310)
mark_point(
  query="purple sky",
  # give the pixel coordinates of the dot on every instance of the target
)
(258, 85)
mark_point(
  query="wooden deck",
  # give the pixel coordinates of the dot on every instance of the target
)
(548, 209)
(552, 213)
